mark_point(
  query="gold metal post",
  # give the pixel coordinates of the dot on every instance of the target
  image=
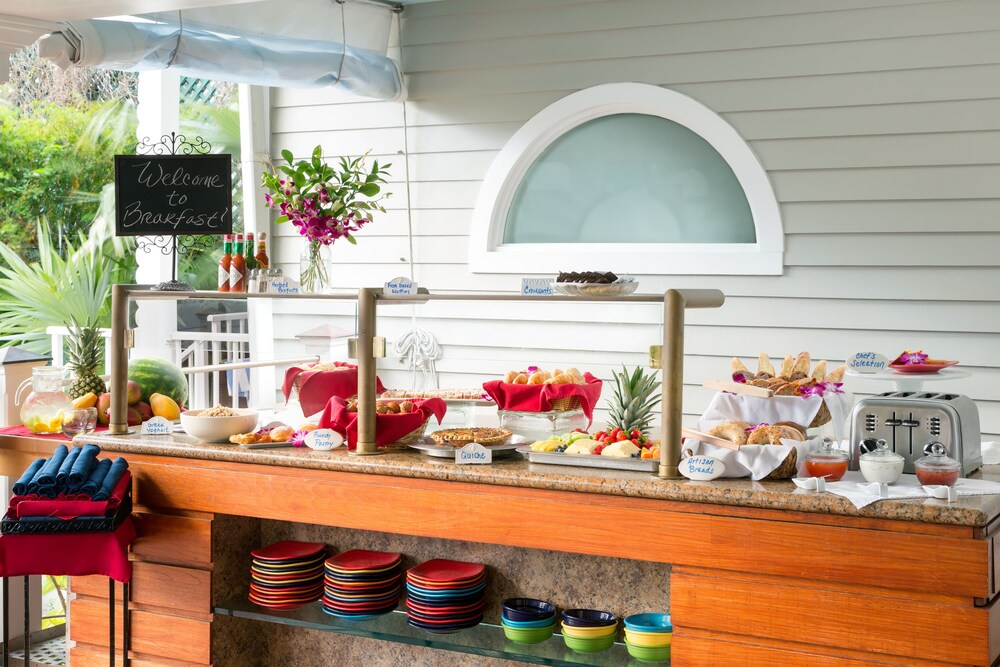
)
(366, 373)
(672, 358)
(119, 359)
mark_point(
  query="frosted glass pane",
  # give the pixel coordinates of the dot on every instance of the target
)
(630, 178)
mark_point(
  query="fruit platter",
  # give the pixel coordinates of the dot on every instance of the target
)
(615, 449)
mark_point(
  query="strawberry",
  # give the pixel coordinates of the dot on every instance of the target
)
(599, 449)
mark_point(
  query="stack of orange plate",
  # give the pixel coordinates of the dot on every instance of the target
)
(287, 575)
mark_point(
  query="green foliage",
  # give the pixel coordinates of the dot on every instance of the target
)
(50, 157)
(55, 289)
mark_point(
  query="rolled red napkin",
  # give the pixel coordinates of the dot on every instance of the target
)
(316, 388)
(388, 428)
(539, 397)
(71, 506)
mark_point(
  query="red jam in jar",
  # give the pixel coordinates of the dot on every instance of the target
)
(931, 477)
(937, 468)
(831, 470)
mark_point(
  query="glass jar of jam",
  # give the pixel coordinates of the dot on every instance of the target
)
(882, 466)
(937, 468)
(827, 462)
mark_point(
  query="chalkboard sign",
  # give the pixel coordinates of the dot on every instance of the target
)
(173, 195)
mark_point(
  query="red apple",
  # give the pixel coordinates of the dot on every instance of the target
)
(133, 418)
(144, 410)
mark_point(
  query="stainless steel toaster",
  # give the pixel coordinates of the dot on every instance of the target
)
(911, 420)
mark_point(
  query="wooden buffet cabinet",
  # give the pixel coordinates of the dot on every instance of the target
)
(761, 574)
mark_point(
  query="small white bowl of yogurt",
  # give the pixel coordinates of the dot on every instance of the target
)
(882, 466)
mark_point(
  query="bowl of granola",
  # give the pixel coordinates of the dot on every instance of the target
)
(218, 423)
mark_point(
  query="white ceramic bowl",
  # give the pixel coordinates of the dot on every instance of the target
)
(218, 429)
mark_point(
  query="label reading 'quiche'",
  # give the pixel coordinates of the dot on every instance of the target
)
(473, 453)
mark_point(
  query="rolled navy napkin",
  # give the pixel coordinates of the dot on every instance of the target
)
(115, 473)
(62, 477)
(21, 485)
(46, 478)
(83, 466)
(97, 475)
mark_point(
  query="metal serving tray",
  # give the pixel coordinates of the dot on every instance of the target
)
(589, 461)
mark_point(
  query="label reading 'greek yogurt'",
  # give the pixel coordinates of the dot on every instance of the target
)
(157, 426)
(868, 362)
(473, 453)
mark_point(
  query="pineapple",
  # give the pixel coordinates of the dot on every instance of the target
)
(85, 353)
(635, 399)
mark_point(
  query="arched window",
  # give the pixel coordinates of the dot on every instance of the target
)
(630, 178)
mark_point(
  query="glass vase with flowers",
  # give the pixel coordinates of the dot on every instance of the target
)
(324, 203)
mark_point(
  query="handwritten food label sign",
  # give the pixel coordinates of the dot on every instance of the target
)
(473, 453)
(868, 362)
(702, 468)
(157, 426)
(536, 287)
(283, 285)
(400, 285)
(173, 195)
(323, 439)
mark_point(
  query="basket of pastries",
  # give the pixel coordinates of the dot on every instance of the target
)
(398, 423)
(537, 390)
(315, 384)
(744, 433)
(797, 377)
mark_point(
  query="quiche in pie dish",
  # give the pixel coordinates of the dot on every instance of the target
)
(460, 437)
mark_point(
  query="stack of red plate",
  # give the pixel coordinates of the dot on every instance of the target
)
(287, 575)
(445, 595)
(359, 584)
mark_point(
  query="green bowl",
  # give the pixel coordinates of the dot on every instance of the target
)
(648, 653)
(527, 635)
(594, 645)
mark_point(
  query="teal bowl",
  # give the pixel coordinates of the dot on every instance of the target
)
(649, 622)
(649, 654)
(527, 635)
(540, 623)
(595, 645)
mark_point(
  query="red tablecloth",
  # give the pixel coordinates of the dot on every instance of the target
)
(539, 397)
(388, 428)
(25, 431)
(73, 554)
(316, 388)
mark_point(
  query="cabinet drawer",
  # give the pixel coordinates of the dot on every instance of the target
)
(177, 540)
(153, 635)
(181, 589)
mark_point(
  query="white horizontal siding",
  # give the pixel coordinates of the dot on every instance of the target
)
(878, 122)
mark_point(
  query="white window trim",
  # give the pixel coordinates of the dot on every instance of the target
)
(488, 253)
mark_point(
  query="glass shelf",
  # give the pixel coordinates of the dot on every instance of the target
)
(484, 639)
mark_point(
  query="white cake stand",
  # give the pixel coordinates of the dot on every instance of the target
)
(911, 381)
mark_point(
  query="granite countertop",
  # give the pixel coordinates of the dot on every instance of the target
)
(516, 471)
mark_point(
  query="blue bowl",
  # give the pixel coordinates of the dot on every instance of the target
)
(588, 618)
(540, 623)
(649, 622)
(527, 609)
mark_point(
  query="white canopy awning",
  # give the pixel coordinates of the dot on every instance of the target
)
(299, 44)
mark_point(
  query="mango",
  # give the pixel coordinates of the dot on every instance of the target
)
(85, 401)
(134, 392)
(132, 417)
(104, 408)
(164, 406)
(144, 409)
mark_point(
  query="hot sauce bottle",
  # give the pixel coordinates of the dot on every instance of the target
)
(262, 260)
(238, 268)
(224, 263)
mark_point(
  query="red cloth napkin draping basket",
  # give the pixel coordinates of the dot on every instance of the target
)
(544, 397)
(315, 388)
(389, 429)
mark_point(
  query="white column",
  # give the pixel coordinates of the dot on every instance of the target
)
(255, 146)
(158, 114)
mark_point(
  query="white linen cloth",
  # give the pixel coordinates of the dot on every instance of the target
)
(854, 487)
(758, 461)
